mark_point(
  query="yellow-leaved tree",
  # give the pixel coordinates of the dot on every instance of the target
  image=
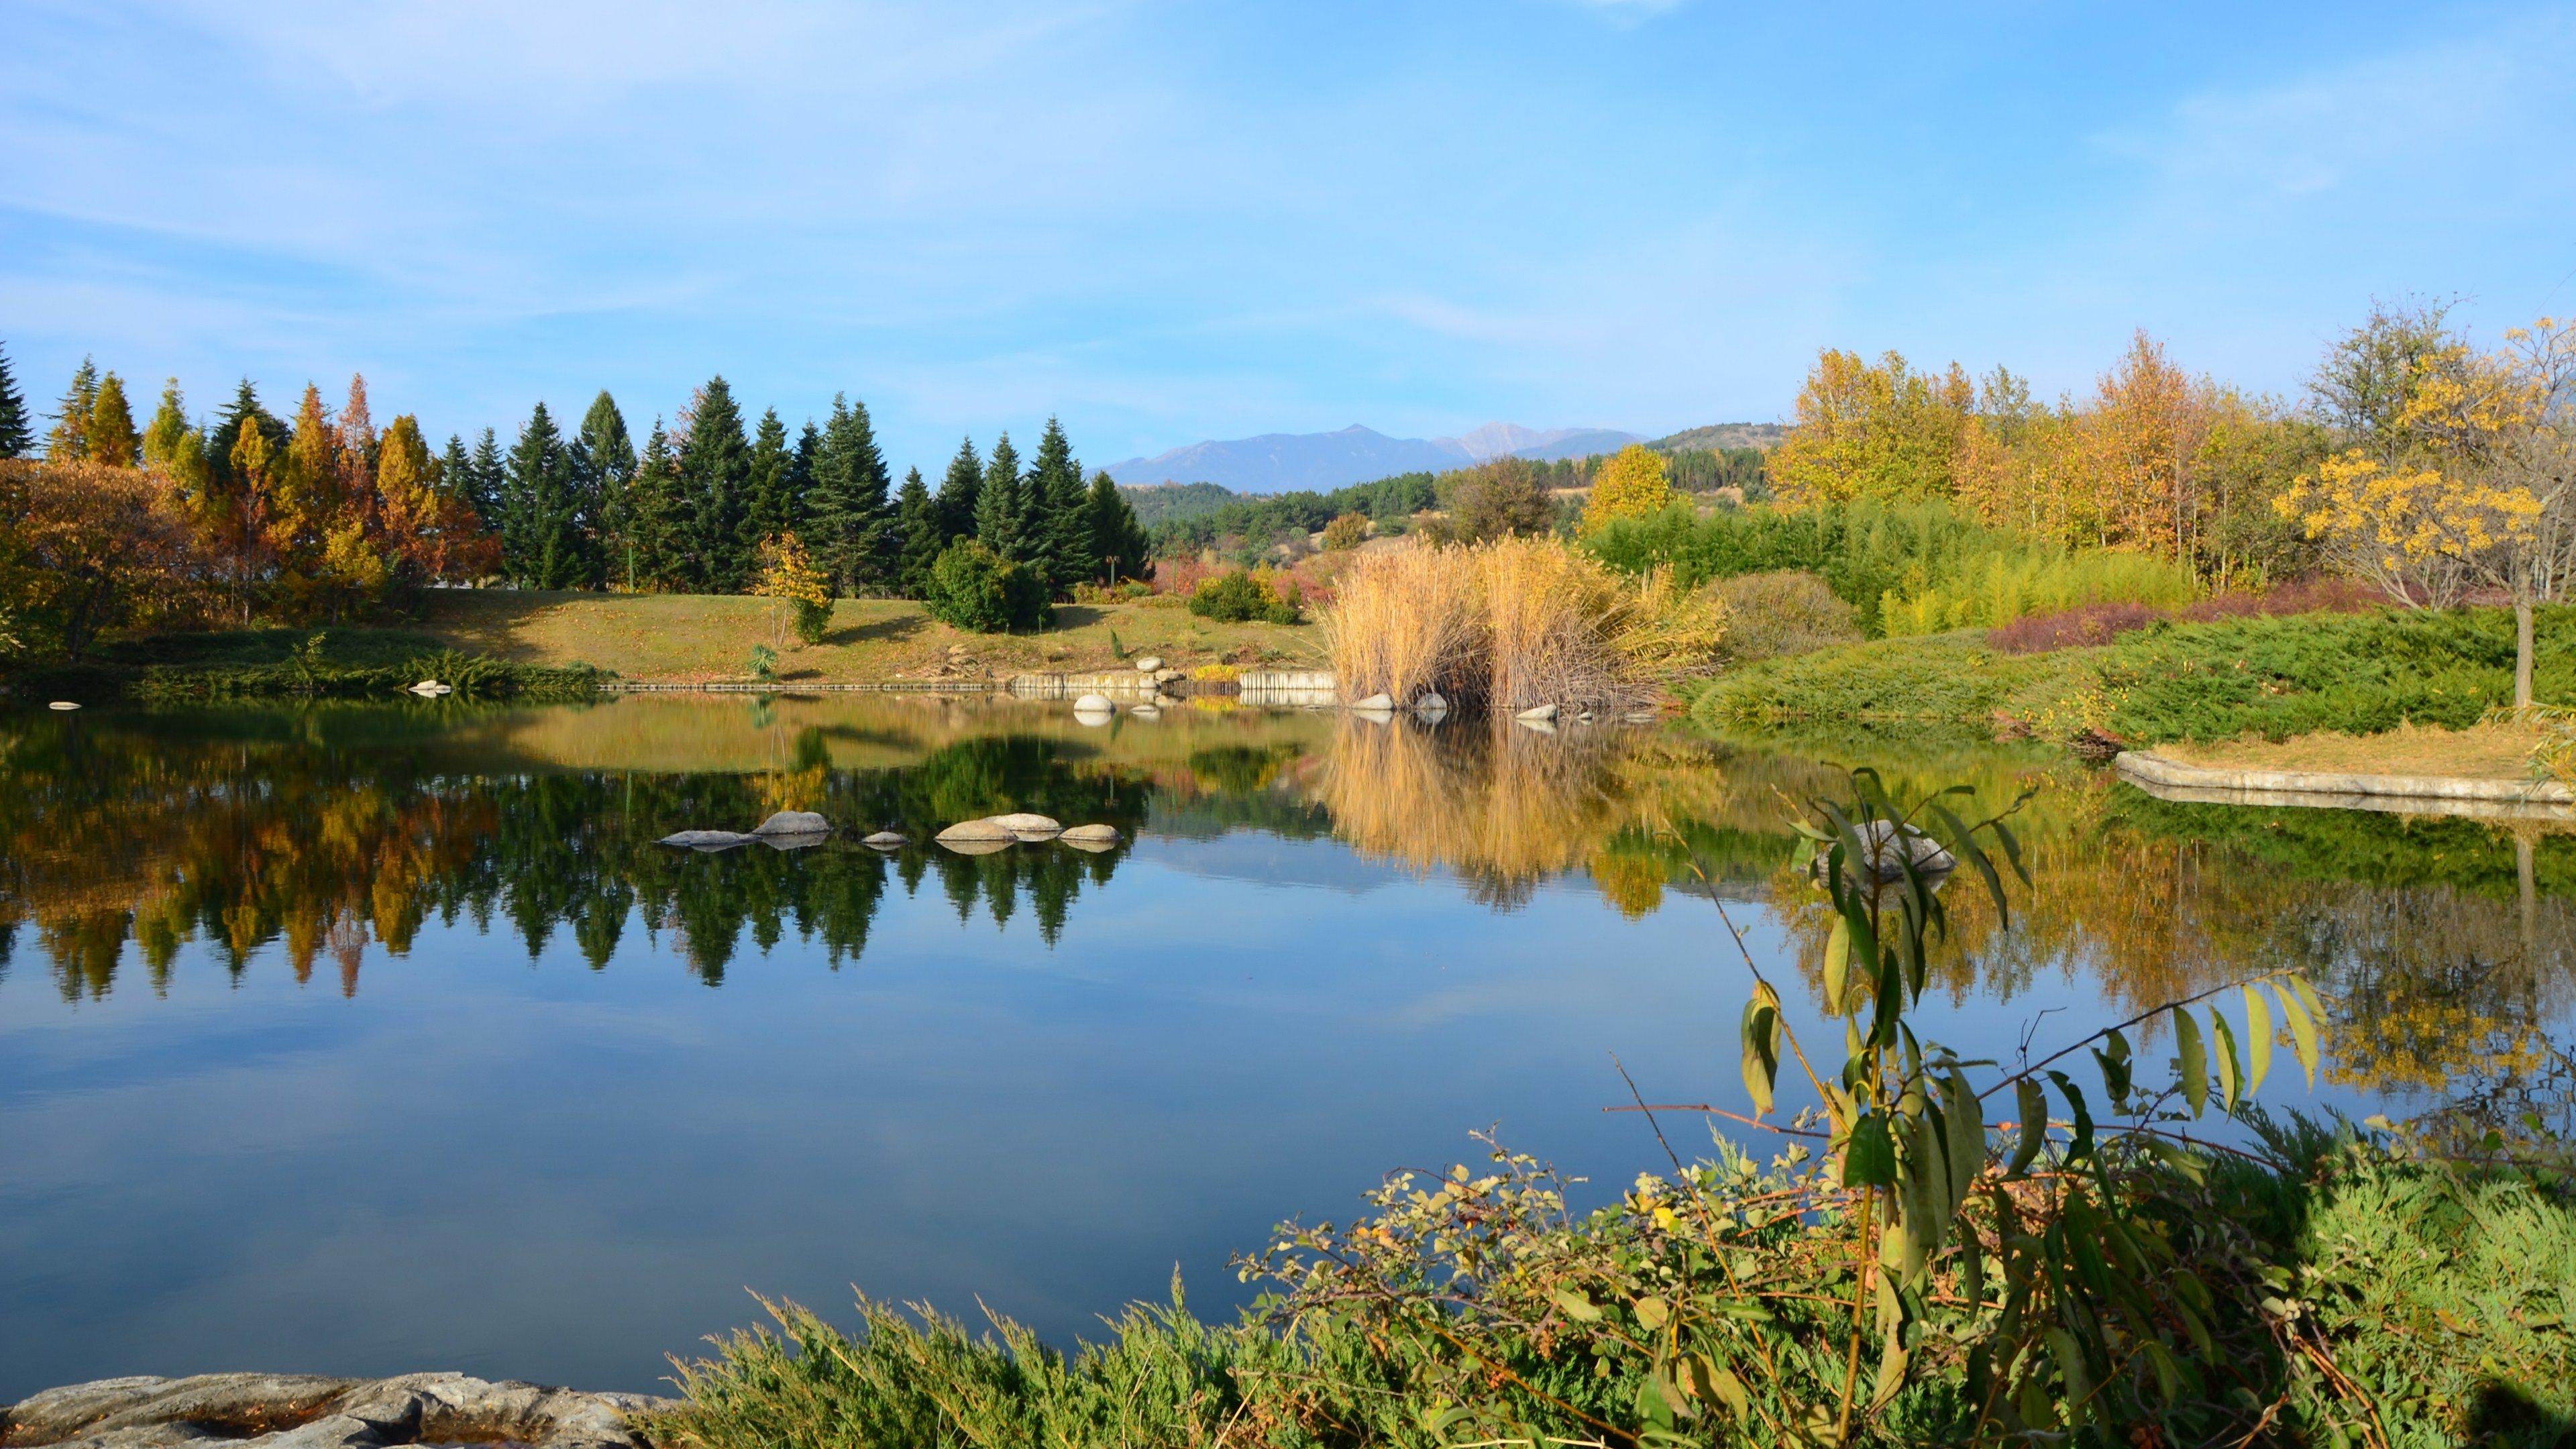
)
(1631, 485)
(800, 593)
(1879, 431)
(2464, 473)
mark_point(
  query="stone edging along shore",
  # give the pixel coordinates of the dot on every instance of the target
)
(2410, 794)
(305, 1411)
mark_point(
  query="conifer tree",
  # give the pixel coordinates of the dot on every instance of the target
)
(109, 434)
(1120, 547)
(17, 429)
(70, 438)
(1059, 514)
(174, 447)
(662, 528)
(486, 481)
(603, 471)
(715, 471)
(959, 494)
(800, 478)
(917, 524)
(850, 519)
(1001, 508)
(773, 478)
(545, 544)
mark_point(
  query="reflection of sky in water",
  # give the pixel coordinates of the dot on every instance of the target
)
(538, 1170)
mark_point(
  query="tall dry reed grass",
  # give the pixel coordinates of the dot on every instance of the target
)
(1516, 623)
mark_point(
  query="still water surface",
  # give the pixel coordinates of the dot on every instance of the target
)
(367, 1040)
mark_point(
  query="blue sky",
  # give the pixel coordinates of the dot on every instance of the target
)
(1170, 222)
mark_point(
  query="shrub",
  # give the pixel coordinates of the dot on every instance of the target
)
(2102, 623)
(1347, 531)
(1242, 595)
(1995, 586)
(1786, 611)
(1498, 499)
(976, 589)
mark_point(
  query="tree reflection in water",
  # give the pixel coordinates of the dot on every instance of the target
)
(2445, 943)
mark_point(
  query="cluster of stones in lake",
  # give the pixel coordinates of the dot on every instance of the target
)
(304, 1411)
(786, 830)
(797, 829)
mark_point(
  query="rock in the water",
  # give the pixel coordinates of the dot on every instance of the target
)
(1878, 837)
(63, 704)
(1094, 704)
(708, 839)
(1380, 700)
(432, 689)
(1541, 726)
(966, 831)
(793, 822)
(1029, 827)
(1092, 837)
(886, 840)
(283, 1411)
(1150, 663)
(977, 844)
(1544, 712)
(1166, 676)
(1146, 711)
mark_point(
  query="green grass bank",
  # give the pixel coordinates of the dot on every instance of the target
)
(2270, 677)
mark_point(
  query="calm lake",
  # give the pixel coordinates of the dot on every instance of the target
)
(373, 1039)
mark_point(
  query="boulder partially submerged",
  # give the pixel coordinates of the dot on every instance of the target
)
(303, 1411)
(1093, 837)
(793, 822)
(886, 840)
(707, 839)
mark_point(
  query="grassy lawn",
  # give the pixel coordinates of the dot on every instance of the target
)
(697, 638)
(2480, 752)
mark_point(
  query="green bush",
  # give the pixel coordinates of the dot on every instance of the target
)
(1916, 568)
(1237, 596)
(1788, 611)
(978, 590)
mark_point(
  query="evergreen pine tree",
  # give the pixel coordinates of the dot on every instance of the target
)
(1059, 514)
(486, 480)
(800, 479)
(244, 411)
(1120, 547)
(1001, 508)
(715, 474)
(918, 538)
(17, 429)
(662, 527)
(958, 496)
(543, 540)
(772, 479)
(456, 472)
(603, 470)
(70, 437)
(109, 434)
(851, 519)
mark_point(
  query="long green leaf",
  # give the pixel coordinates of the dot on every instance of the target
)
(2195, 1061)
(1761, 1052)
(2302, 1030)
(2231, 1081)
(1964, 845)
(1869, 1157)
(2034, 1126)
(1966, 1123)
(2258, 1038)
(1837, 965)
(2082, 1145)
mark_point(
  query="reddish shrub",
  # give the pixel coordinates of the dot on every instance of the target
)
(2102, 623)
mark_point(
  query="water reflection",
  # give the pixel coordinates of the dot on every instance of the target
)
(2444, 943)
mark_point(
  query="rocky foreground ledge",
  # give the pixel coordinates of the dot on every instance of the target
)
(301, 1411)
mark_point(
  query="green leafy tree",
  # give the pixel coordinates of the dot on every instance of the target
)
(715, 473)
(603, 471)
(1001, 507)
(852, 522)
(69, 440)
(1120, 547)
(960, 494)
(174, 447)
(917, 521)
(17, 429)
(976, 589)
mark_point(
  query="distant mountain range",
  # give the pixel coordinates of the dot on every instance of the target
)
(1281, 462)
(1720, 437)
